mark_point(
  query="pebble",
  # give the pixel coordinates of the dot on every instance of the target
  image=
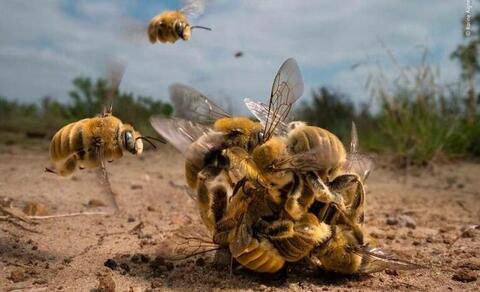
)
(464, 276)
(136, 187)
(17, 275)
(95, 203)
(156, 284)
(110, 263)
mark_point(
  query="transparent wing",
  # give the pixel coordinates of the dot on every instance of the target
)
(192, 105)
(376, 260)
(188, 241)
(178, 132)
(115, 74)
(360, 164)
(304, 161)
(286, 89)
(193, 8)
(260, 111)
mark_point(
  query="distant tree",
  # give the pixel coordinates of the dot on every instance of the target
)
(468, 56)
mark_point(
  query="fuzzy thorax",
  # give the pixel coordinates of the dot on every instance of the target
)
(240, 128)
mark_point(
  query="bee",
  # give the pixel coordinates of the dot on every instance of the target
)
(90, 142)
(344, 254)
(169, 26)
(203, 132)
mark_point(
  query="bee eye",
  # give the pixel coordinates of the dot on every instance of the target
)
(179, 28)
(129, 142)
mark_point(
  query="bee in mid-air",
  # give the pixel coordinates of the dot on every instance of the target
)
(169, 26)
(90, 142)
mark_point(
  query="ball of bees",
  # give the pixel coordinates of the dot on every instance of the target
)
(288, 191)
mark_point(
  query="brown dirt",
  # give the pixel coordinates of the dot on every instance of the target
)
(416, 215)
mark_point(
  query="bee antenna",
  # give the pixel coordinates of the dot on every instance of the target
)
(161, 140)
(202, 27)
(146, 139)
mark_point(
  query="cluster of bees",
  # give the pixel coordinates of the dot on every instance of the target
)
(274, 192)
(270, 191)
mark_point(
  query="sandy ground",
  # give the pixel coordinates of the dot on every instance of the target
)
(416, 215)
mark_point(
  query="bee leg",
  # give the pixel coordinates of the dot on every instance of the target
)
(274, 230)
(106, 178)
(47, 169)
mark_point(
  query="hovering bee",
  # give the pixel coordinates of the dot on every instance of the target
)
(90, 142)
(169, 26)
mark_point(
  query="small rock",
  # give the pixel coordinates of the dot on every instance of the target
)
(136, 187)
(391, 236)
(136, 258)
(464, 276)
(93, 203)
(158, 262)
(130, 219)
(200, 262)
(391, 221)
(110, 263)
(105, 283)
(156, 284)
(125, 267)
(145, 258)
(391, 272)
(35, 209)
(150, 209)
(17, 275)
(408, 221)
(429, 239)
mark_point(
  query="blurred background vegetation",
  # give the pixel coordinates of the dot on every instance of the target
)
(411, 116)
(20, 120)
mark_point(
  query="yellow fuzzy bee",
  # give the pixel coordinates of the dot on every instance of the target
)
(90, 142)
(169, 26)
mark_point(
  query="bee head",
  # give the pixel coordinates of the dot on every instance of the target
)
(130, 140)
(239, 129)
(183, 30)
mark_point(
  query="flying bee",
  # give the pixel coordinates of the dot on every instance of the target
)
(90, 142)
(169, 26)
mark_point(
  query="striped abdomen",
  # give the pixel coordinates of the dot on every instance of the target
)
(330, 149)
(258, 255)
(307, 234)
(67, 141)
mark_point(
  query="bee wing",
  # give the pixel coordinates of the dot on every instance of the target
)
(376, 260)
(304, 161)
(115, 74)
(260, 111)
(360, 164)
(193, 7)
(286, 89)
(188, 241)
(243, 238)
(178, 132)
(192, 105)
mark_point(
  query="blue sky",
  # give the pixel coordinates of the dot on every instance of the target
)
(45, 44)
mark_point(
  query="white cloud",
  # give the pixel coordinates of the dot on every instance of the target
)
(43, 48)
